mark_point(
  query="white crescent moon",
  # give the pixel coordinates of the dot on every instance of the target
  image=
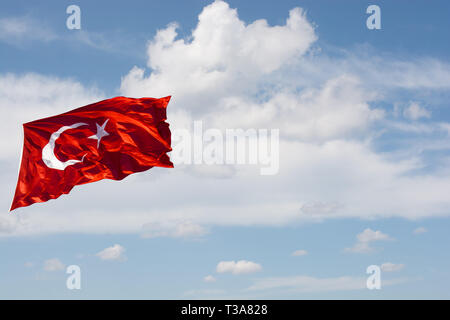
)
(48, 154)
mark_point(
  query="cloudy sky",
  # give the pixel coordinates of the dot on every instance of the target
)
(364, 126)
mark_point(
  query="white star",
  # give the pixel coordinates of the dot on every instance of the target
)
(101, 132)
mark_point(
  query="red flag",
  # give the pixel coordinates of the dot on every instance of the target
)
(109, 139)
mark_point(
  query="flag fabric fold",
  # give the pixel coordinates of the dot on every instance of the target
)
(110, 139)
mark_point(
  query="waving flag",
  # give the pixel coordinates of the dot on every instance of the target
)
(109, 139)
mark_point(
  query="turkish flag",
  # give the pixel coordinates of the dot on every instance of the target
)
(109, 139)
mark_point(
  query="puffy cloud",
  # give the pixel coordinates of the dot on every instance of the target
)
(239, 267)
(335, 110)
(115, 252)
(53, 264)
(327, 109)
(391, 267)
(364, 239)
(298, 253)
(222, 53)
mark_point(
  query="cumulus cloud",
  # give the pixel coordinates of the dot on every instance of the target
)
(222, 51)
(53, 264)
(391, 267)
(239, 267)
(115, 252)
(364, 239)
(336, 109)
(233, 74)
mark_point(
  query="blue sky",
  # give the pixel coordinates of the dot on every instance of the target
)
(364, 149)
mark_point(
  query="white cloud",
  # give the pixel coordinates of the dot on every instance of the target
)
(53, 264)
(364, 239)
(414, 112)
(298, 253)
(391, 267)
(420, 230)
(367, 184)
(335, 110)
(326, 109)
(239, 267)
(116, 252)
(222, 51)
(209, 278)
(29, 264)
